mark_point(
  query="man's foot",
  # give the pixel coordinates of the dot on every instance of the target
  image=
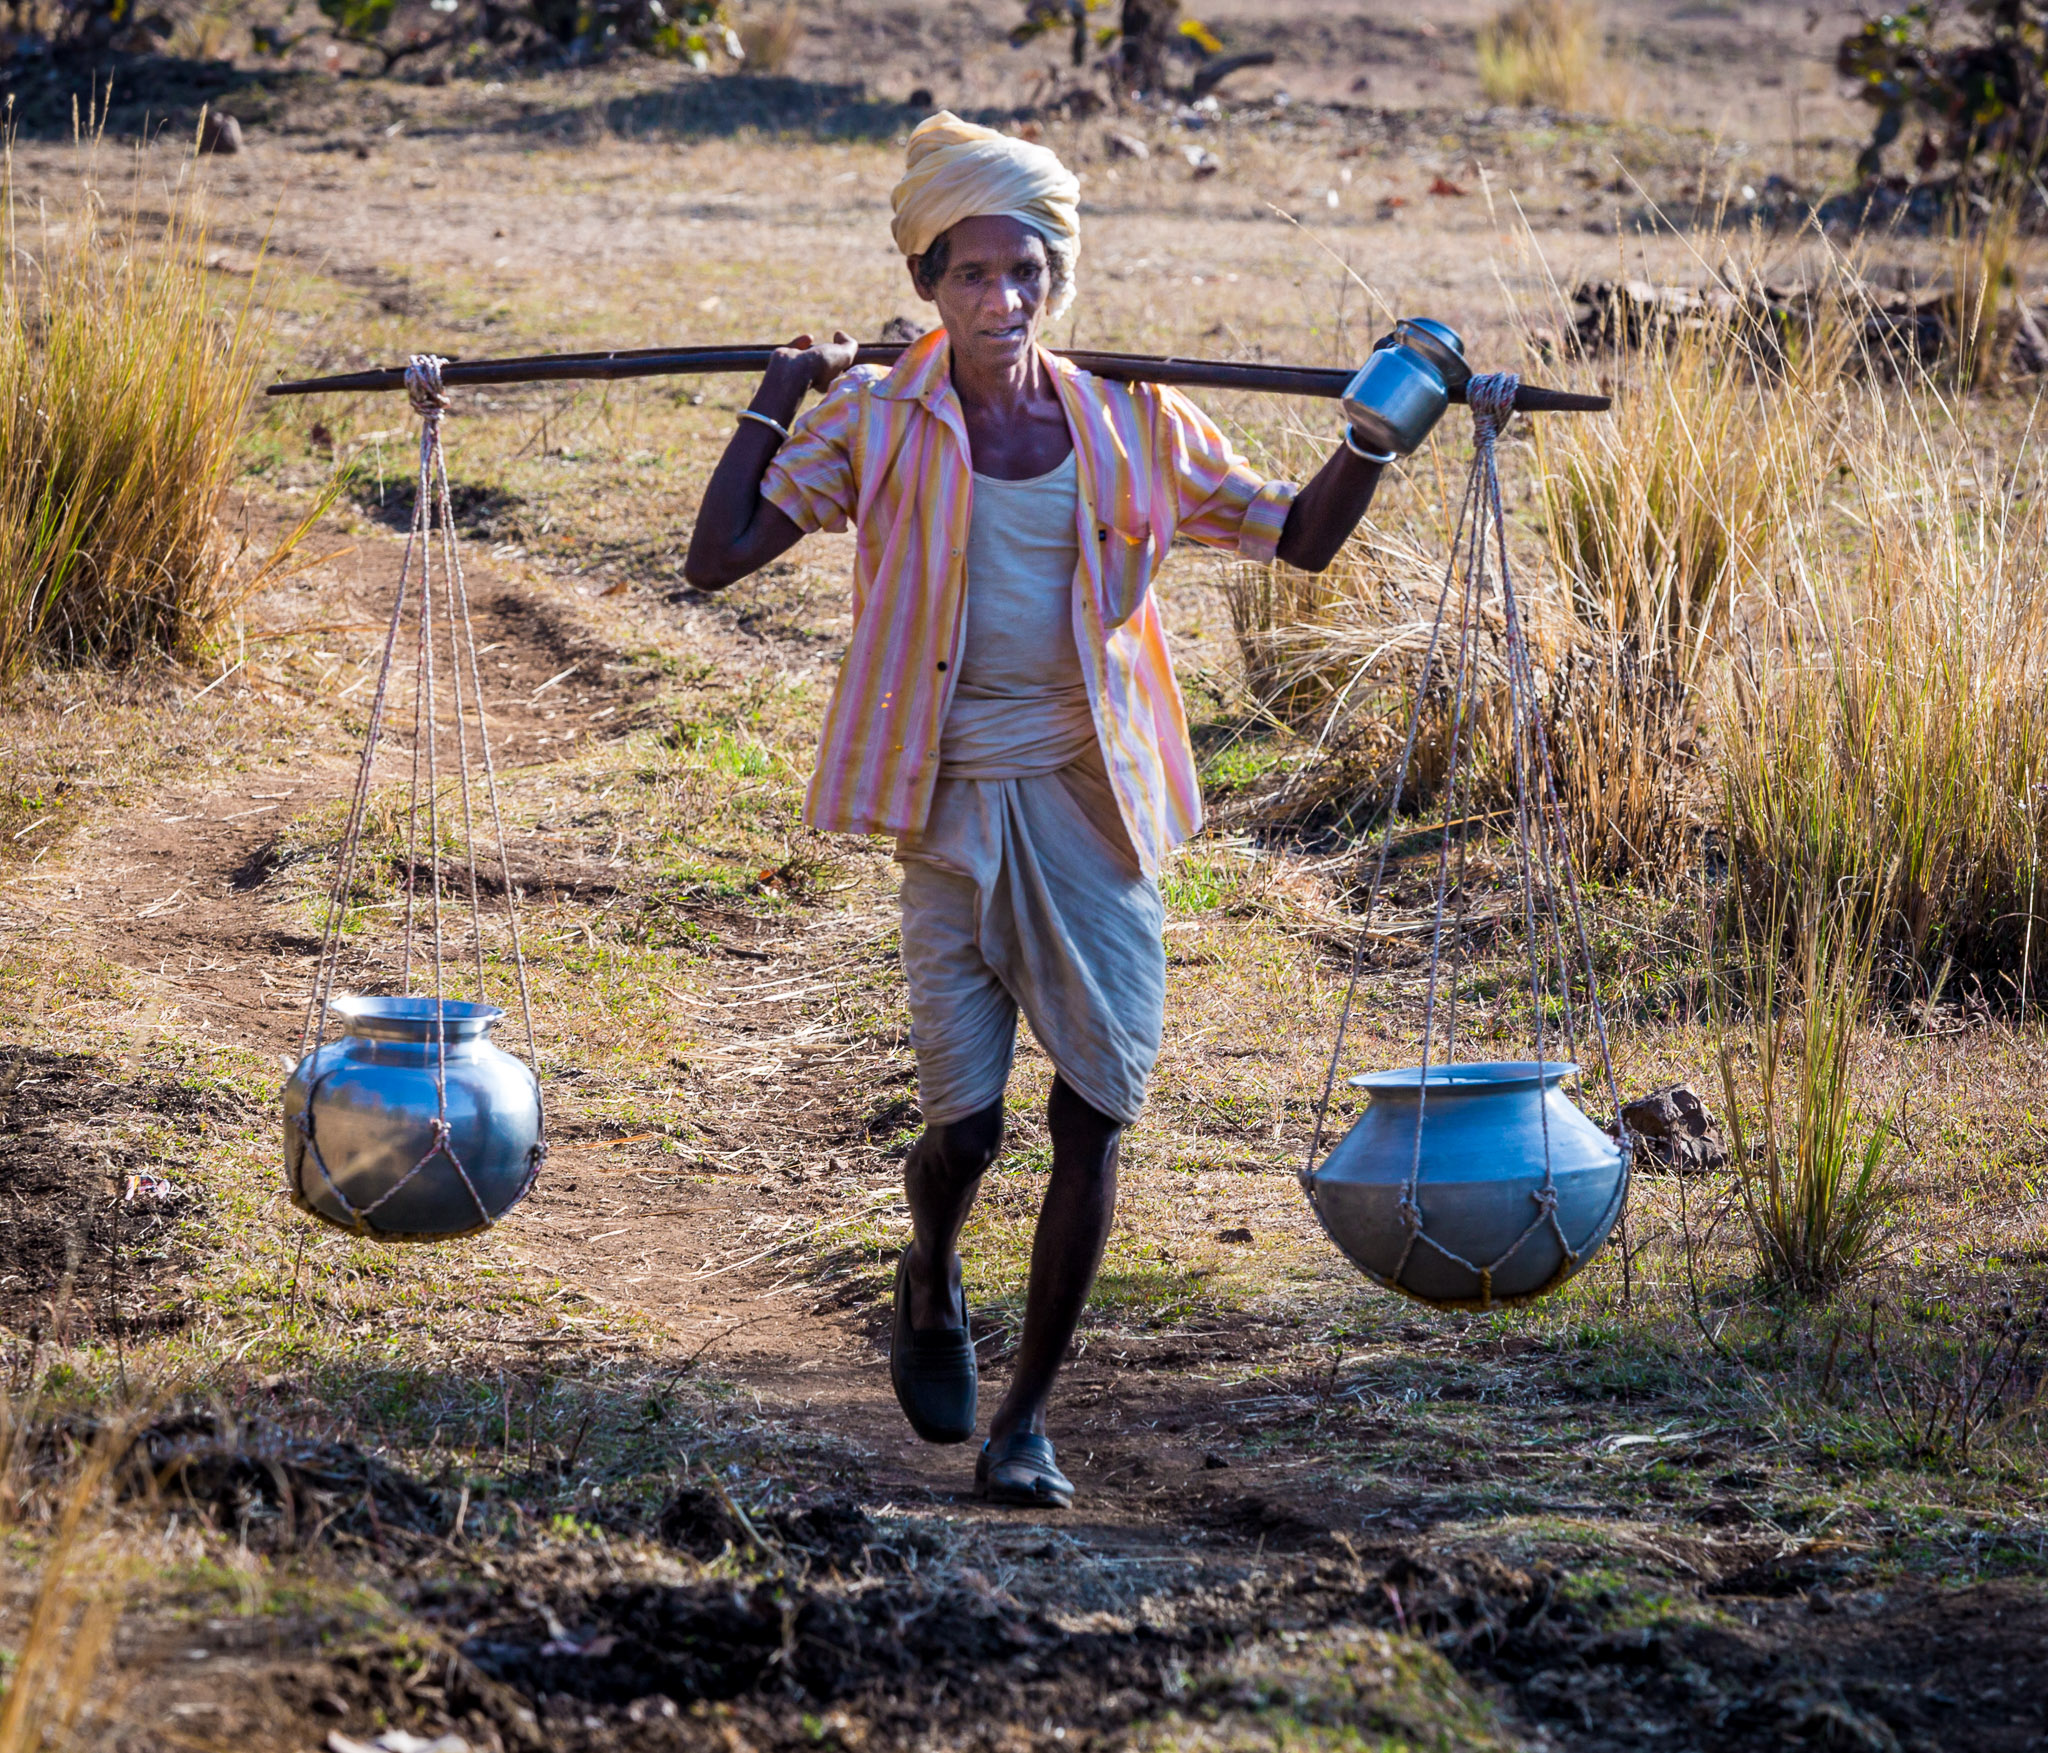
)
(933, 1373)
(1020, 1469)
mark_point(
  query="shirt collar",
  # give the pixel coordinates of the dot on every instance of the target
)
(924, 370)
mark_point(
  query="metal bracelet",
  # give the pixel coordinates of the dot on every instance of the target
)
(768, 420)
(1362, 454)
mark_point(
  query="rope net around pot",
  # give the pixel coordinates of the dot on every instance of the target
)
(436, 1184)
(1516, 1238)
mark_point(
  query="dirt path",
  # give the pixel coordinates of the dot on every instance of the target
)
(175, 891)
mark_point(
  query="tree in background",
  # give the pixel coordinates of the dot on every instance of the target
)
(1980, 89)
(394, 30)
(1137, 46)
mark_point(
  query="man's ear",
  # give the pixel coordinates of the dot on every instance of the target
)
(913, 263)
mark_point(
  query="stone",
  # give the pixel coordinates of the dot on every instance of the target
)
(1122, 145)
(1675, 1131)
(221, 133)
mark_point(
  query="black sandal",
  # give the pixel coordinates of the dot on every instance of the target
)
(1021, 1470)
(933, 1373)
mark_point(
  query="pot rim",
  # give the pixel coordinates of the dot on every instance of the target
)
(1467, 1077)
(413, 1018)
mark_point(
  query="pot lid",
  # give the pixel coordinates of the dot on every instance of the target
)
(1476, 1077)
(415, 1018)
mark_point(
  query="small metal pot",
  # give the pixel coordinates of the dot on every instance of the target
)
(1402, 390)
(1482, 1142)
(1441, 345)
(361, 1149)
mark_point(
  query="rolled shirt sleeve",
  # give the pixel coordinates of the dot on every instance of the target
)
(1224, 503)
(811, 480)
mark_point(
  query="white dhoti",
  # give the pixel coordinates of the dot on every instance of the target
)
(1022, 891)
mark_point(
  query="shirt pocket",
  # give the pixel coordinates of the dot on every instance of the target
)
(1127, 565)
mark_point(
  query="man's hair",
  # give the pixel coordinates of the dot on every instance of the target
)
(1060, 257)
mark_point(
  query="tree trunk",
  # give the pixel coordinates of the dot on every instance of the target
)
(1149, 27)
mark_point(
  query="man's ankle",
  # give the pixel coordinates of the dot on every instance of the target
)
(1006, 1422)
(933, 1303)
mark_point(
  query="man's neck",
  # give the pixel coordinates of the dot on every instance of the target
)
(1002, 390)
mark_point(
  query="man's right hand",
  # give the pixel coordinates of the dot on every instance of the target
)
(817, 365)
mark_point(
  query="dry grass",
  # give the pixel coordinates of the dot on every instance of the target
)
(1542, 52)
(122, 386)
(770, 40)
(1882, 736)
(58, 1503)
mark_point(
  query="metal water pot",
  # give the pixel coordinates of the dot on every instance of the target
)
(1480, 1192)
(1403, 389)
(364, 1145)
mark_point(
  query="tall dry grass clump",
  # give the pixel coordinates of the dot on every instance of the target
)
(55, 1510)
(1660, 514)
(1542, 52)
(1885, 740)
(122, 386)
(1787, 610)
(769, 40)
(1659, 520)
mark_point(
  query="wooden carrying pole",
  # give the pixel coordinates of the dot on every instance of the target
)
(1217, 374)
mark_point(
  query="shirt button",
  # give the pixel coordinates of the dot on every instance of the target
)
(942, 663)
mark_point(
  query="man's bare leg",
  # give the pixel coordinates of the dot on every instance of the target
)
(1073, 1226)
(940, 1177)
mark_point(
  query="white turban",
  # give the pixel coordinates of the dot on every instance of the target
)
(957, 171)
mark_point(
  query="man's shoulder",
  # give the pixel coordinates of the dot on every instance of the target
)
(1110, 394)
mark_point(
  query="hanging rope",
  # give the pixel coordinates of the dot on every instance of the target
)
(432, 514)
(1541, 847)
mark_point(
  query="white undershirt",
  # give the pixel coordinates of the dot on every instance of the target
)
(1020, 705)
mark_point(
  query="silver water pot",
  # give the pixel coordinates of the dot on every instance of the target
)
(1482, 1196)
(363, 1149)
(1401, 392)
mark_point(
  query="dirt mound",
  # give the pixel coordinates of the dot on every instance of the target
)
(836, 1534)
(1870, 1668)
(712, 1641)
(272, 1489)
(91, 1197)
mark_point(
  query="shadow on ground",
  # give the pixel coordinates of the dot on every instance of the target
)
(136, 97)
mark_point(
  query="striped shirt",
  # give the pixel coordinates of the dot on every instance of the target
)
(889, 454)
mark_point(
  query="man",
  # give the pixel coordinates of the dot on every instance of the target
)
(1007, 710)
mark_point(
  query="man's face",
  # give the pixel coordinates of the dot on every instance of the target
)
(992, 295)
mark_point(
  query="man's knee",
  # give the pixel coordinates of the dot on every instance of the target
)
(967, 1146)
(1070, 1113)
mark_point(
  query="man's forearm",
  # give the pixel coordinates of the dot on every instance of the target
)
(720, 545)
(1327, 510)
